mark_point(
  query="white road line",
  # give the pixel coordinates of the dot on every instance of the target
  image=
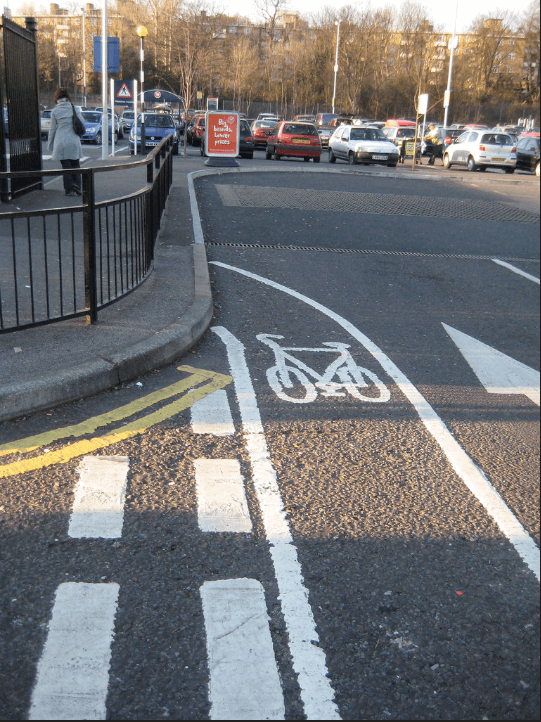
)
(308, 659)
(244, 681)
(516, 270)
(212, 415)
(73, 672)
(98, 507)
(221, 499)
(473, 477)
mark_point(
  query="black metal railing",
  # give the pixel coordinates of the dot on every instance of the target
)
(62, 263)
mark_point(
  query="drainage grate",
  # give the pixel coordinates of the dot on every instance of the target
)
(415, 254)
(371, 203)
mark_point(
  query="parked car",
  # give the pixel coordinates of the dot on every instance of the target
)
(260, 130)
(325, 118)
(190, 128)
(438, 140)
(126, 121)
(528, 153)
(356, 144)
(305, 118)
(400, 135)
(198, 129)
(325, 132)
(92, 120)
(480, 150)
(45, 123)
(157, 127)
(294, 140)
(246, 141)
(269, 116)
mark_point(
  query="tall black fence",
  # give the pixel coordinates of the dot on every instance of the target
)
(63, 263)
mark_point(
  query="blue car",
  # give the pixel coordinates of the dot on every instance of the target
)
(93, 127)
(157, 127)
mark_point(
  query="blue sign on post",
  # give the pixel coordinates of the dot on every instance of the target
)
(113, 55)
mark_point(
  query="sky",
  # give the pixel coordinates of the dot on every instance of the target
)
(442, 13)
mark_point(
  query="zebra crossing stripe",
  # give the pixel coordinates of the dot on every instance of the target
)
(98, 507)
(221, 500)
(212, 415)
(244, 682)
(73, 672)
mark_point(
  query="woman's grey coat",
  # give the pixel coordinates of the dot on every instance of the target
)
(63, 140)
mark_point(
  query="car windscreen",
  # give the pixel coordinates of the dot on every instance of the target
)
(46, 114)
(366, 134)
(405, 133)
(299, 129)
(245, 129)
(265, 124)
(157, 121)
(496, 139)
(128, 115)
(92, 117)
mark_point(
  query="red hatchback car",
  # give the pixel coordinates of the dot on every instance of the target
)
(296, 140)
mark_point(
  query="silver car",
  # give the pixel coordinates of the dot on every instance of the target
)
(358, 144)
(482, 149)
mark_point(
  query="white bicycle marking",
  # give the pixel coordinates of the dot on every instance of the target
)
(352, 377)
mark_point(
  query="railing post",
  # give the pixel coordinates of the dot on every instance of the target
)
(89, 241)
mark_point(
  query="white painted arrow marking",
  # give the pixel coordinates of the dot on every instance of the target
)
(499, 374)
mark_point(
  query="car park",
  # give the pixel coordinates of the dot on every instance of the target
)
(356, 144)
(92, 122)
(400, 135)
(528, 154)
(479, 150)
(45, 123)
(294, 140)
(260, 130)
(437, 141)
(246, 141)
(157, 127)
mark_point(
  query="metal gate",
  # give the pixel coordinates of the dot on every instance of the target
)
(20, 70)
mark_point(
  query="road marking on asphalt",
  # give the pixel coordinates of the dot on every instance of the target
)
(73, 672)
(499, 374)
(227, 195)
(244, 681)
(98, 507)
(308, 659)
(212, 415)
(88, 446)
(472, 476)
(221, 499)
(516, 270)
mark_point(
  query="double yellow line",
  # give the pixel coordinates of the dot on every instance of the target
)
(196, 377)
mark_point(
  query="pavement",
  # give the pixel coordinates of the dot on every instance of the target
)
(61, 362)
(50, 365)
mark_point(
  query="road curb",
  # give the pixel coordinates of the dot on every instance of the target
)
(99, 374)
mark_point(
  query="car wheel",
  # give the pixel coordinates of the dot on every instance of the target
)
(276, 156)
(306, 160)
(120, 134)
(317, 159)
(332, 157)
(250, 156)
(472, 165)
(391, 165)
(537, 170)
(509, 171)
(175, 149)
(351, 159)
(482, 168)
(98, 138)
(446, 161)
(268, 155)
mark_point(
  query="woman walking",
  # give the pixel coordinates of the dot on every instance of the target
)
(64, 142)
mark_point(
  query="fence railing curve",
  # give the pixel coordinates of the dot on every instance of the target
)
(48, 275)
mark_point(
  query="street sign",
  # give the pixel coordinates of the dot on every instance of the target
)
(212, 103)
(423, 104)
(223, 132)
(124, 92)
(199, 95)
(113, 55)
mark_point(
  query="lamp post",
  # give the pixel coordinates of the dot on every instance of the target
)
(104, 116)
(337, 23)
(447, 97)
(142, 32)
(83, 14)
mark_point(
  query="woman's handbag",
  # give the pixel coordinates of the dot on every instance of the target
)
(78, 127)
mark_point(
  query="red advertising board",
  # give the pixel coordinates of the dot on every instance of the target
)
(222, 131)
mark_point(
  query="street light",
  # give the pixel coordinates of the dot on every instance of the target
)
(337, 23)
(83, 14)
(447, 98)
(104, 116)
(142, 32)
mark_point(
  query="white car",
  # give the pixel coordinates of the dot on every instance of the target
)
(45, 123)
(357, 144)
(482, 149)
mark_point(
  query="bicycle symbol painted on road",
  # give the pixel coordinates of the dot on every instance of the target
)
(289, 373)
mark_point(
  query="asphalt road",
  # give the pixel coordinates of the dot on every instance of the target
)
(403, 515)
